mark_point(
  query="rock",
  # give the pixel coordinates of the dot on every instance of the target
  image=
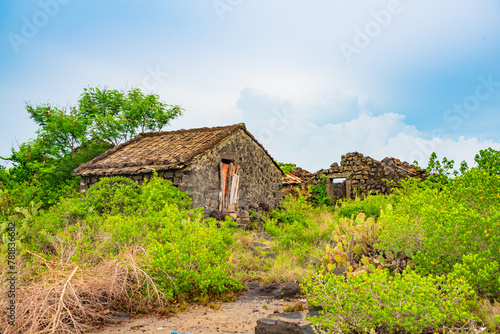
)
(253, 206)
(252, 285)
(271, 256)
(290, 290)
(119, 316)
(217, 214)
(264, 206)
(245, 220)
(244, 214)
(258, 244)
(256, 215)
(273, 290)
(277, 326)
(231, 208)
(264, 235)
(276, 290)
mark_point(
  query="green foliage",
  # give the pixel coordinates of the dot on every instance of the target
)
(44, 226)
(488, 160)
(116, 116)
(438, 228)
(158, 193)
(379, 301)
(440, 172)
(481, 273)
(351, 208)
(286, 167)
(296, 226)
(113, 195)
(19, 222)
(319, 193)
(190, 255)
(42, 168)
(191, 258)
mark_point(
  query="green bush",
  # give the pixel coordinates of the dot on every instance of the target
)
(351, 209)
(191, 258)
(381, 302)
(438, 227)
(481, 273)
(158, 192)
(113, 195)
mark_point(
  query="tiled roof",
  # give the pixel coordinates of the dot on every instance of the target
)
(158, 151)
(289, 178)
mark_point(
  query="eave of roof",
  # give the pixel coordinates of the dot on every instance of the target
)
(93, 167)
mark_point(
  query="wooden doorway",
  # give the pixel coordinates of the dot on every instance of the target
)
(229, 184)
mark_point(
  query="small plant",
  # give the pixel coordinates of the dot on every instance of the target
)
(286, 167)
(318, 191)
(298, 306)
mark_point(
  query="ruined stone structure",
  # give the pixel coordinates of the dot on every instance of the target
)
(298, 177)
(221, 168)
(362, 175)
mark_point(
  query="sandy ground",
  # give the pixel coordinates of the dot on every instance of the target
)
(239, 316)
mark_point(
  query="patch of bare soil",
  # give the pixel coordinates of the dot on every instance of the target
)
(239, 316)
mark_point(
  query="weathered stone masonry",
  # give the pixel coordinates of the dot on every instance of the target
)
(260, 179)
(365, 176)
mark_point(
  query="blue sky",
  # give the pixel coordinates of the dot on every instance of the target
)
(312, 80)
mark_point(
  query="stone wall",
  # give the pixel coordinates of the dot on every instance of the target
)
(366, 176)
(260, 179)
(174, 176)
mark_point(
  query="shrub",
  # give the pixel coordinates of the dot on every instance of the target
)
(438, 228)
(158, 192)
(112, 195)
(191, 258)
(481, 273)
(351, 208)
(381, 302)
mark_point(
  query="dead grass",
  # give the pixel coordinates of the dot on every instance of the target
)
(489, 313)
(286, 268)
(65, 298)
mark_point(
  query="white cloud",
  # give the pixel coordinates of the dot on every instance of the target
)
(297, 136)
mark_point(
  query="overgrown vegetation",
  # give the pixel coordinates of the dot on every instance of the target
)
(423, 259)
(429, 262)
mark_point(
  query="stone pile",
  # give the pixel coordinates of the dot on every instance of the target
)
(365, 175)
(245, 216)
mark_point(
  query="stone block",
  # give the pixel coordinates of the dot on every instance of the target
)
(277, 326)
(244, 214)
(169, 175)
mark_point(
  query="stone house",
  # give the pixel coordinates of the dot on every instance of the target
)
(361, 176)
(221, 168)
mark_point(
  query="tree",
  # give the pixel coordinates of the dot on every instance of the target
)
(69, 137)
(488, 160)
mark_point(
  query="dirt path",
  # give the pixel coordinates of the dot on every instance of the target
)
(239, 316)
